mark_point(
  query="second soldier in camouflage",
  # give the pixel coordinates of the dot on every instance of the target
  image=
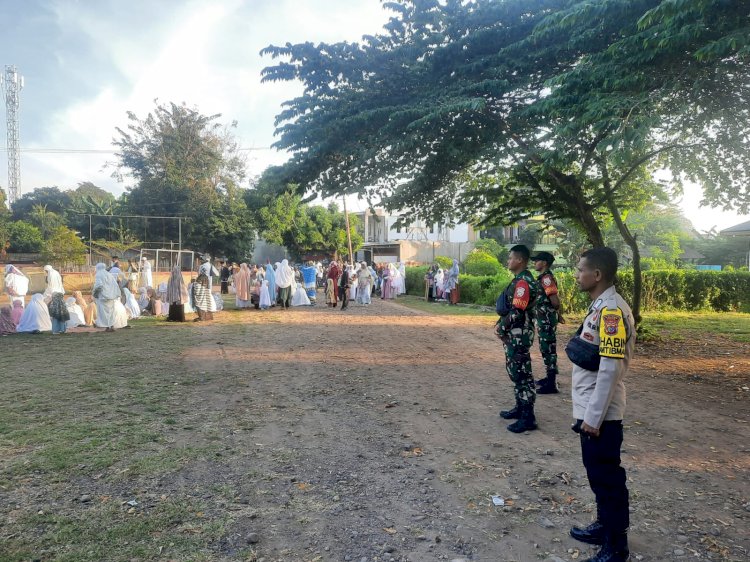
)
(516, 330)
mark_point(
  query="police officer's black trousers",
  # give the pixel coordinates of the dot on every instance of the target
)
(601, 458)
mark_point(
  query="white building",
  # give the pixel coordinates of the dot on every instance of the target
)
(416, 243)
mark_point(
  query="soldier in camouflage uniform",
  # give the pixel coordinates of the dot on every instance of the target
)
(546, 311)
(516, 330)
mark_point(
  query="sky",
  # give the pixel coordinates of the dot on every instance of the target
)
(86, 63)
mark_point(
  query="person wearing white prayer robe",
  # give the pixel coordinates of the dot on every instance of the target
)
(284, 280)
(143, 299)
(402, 275)
(106, 294)
(146, 279)
(265, 296)
(354, 288)
(364, 284)
(77, 317)
(300, 297)
(121, 316)
(162, 292)
(131, 305)
(54, 283)
(35, 317)
(16, 284)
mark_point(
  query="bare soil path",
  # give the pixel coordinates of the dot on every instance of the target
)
(373, 435)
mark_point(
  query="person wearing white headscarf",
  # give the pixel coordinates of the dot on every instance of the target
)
(284, 279)
(106, 294)
(54, 283)
(265, 296)
(162, 292)
(208, 269)
(143, 299)
(16, 284)
(364, 284)
(77, 317)
(300, 297)
(439, 281)
(402, 278)
(146, 279)
(354, 285)
(131, 305)
(35, 317)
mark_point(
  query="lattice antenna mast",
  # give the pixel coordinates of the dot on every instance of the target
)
(12, 84)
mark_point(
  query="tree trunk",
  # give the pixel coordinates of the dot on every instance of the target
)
(632, 243)
(591, 228)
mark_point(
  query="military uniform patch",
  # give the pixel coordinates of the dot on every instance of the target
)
(549, 285)
(612, 335)
(521, 295)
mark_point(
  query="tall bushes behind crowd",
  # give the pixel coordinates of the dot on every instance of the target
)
(673, 289)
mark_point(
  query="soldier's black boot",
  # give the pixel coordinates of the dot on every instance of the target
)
(511, 414)
(526, 420)
(547, 385)
(615, 549)
(593, 534)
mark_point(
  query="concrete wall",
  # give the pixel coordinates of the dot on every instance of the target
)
(421, 252)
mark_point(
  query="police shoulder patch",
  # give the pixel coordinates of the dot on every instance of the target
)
(521, 295)
(612, 335)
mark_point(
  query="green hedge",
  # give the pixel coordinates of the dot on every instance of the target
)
(674, 289)
(475, 289)
(479, 262)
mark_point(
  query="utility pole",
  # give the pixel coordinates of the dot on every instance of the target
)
(348, 232)
(12, 84)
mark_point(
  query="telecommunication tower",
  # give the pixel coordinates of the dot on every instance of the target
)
(12, 84)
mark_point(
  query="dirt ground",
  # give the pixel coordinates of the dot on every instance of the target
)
(373, 435)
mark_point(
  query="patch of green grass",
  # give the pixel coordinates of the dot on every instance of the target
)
(418, 303)
(678, 326)
(733, 325)
(172, 529)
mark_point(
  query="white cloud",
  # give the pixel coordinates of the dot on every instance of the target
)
(202, 54)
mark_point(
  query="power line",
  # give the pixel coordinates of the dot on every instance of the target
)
(99, 151)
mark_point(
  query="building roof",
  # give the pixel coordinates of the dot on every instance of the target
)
(742, 229)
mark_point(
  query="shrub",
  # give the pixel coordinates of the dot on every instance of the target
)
(64, 248)
(444, 262)
(492, 247)
(415, 280)
(670, 289)
(25, 238)
(482, 289)
(479, 262)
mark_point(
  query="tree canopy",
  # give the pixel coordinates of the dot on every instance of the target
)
(497, 110)
(512, 106)
(185, 164)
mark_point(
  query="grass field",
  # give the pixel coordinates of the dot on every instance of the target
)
(85, 415)
(733, 325)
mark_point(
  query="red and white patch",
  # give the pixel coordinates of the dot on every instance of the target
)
(588, 336)
(549, 285)
(521, 295)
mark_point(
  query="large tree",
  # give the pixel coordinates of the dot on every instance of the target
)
(185, 164)
(499, 109)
